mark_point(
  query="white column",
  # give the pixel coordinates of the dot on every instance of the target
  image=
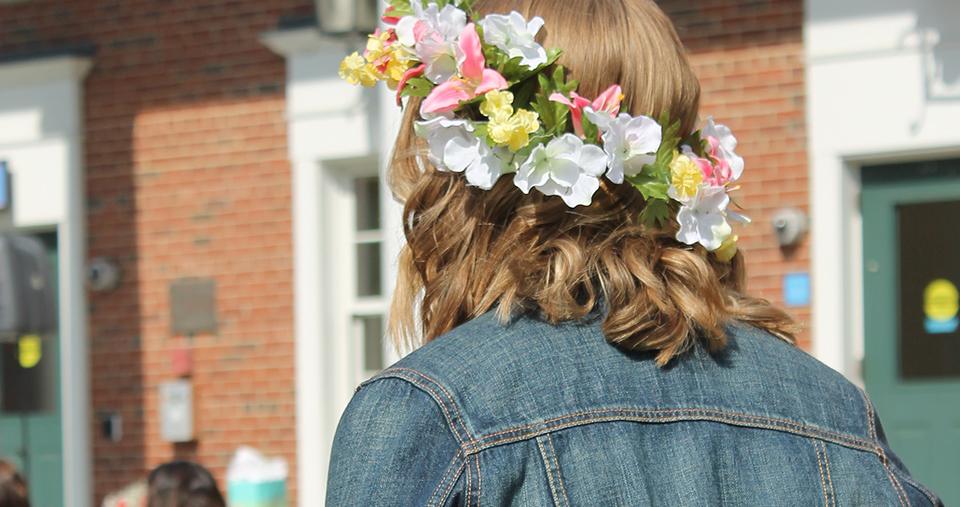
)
(41, 137)
(328, 121)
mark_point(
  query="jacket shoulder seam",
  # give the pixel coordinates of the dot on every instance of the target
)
(440, 395)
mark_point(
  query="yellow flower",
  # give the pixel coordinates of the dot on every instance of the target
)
(513, 131)
(728, 249)
(377, 46)
(497, 105)
(356, 71)
(686, 176)
(397, 65)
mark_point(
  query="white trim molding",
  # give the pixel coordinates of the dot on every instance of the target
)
(873, 98)
(41, 138)
(330, 124)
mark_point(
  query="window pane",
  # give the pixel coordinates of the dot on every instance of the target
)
(367, 191)
(368, 269)
(371, 332)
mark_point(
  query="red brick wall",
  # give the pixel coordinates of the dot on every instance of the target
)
(749, 57)
(187, 176)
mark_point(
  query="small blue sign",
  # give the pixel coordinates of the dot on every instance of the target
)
(933, 326)
(4, 186)
(796, 289)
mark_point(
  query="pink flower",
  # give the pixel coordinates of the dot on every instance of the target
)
(720, 172)
(608, 102)
(474, 78)
(706, 165)
(727, 166)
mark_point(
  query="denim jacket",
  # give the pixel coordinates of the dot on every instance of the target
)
(535, 414)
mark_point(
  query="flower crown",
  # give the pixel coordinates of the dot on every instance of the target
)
(495, 102)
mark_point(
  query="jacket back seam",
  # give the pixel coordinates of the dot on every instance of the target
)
(655, 416)
(823, 480)
(551, 466)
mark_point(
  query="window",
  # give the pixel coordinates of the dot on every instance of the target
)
(369, 304)
(356, 287)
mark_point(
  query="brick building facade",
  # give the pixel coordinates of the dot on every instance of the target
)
(186, 163)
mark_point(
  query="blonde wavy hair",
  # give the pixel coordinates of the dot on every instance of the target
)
(469, 251)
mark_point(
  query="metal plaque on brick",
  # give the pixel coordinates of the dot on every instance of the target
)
(193, 308)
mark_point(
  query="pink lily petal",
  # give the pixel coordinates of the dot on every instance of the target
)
(447, 97)
(558, 97)
(576, 109)
(491, 80)
(470, 60)
(407, 76)
(609, 100)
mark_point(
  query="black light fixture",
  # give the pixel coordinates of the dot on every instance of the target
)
(346, 16)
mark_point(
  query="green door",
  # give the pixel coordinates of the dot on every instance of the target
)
(911, 248)
(32, 441)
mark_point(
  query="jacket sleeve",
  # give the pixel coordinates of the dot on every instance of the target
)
(392, 447)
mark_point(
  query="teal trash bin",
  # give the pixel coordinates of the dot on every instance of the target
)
(256, 481)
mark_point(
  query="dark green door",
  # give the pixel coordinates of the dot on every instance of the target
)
(32, 441)
(911, 245)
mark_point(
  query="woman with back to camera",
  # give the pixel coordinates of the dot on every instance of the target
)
(571, 273)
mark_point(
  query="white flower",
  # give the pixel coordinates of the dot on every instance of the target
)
(454, 147)
(566, 167)
(516, 37)
(630, 143)
(431, 33)
(724, 147)
(704, 219)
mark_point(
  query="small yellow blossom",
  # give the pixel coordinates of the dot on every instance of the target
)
(377, 46)
(497, 105)
(728, 249)
(355, 70)
(513, 131)
(398, 64)
(686, 176)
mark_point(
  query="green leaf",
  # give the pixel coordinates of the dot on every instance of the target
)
(656, 214)
(537, 139)
(512, 70)
(590, 131)
(651, 184)
(481, 129)
(400, 8)
(417, 87)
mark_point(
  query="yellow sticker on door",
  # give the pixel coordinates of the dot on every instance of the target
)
(941, 303)
(29, 351)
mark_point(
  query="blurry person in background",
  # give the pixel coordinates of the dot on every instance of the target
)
(182, 484)
(13, 488)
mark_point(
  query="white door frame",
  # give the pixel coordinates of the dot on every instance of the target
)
(41, 138)
(328, 122)
(868, 102)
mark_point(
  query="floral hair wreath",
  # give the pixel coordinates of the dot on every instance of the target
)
(495, 102)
